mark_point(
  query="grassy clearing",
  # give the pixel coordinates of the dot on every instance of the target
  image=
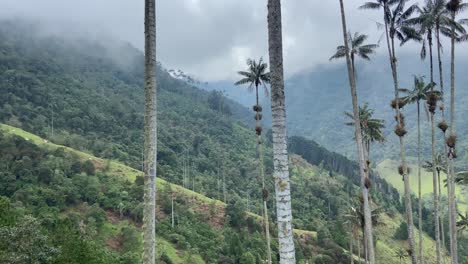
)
(387, 246)
(388, 170)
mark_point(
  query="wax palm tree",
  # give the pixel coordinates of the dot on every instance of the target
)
(353, 220)
(363, 167)
(150, 135)
(421, 91)
(358, 48)
(280, 144)
(395, 16)
(371, 128)
(355, 217)
(439, 165)
(426, 23)
(454, 7)
(255, 76)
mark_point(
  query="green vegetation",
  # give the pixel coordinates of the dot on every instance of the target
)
(388, 170)
(80, 177)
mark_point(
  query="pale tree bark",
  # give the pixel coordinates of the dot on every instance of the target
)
(262, 174)
(435, 191)
(351, 240)
(441, 85)
(280, 146)
(360, 148)
(420, 222)
(150, 135)
(451, 174)
(407, 188)
(434, 169)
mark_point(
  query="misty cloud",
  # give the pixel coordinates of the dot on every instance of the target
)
(210, 39)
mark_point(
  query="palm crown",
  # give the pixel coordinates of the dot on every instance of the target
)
(434, 16)
(357, 46)
(371, 127)
(255, 75)
(395, 16)
(440, 164)
(420, 91)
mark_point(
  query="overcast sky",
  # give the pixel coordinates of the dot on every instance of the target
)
(210, 39)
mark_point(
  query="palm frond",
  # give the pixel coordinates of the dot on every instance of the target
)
(340, 53)
(370, 5)
(358, 39)
(243, 81)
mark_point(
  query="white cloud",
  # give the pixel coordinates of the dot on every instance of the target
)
(211, 38)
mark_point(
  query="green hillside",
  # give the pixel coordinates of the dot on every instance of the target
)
(114, 226)
(79, 177)
(388, 170)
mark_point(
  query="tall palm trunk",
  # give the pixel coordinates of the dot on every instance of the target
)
(435, 190)
(451, 174)
(360, 148)
(441, 222)
(280, 144)
(434, 170)
(262, 174)
(351, 240)
(441, 74)
(407, 188)
(421, 256)
(441, 85)
(149, 213)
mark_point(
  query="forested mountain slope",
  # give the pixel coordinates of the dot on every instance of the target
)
(89, 209)
(79, 93)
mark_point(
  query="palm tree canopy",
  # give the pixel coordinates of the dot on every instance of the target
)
(456, 6)
(371, 127)
(396, 16)
(420, 90)
(440, 164)
(357, 46)
(434, 16)
(255, 75)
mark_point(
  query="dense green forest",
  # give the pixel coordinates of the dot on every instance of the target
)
(71, 207)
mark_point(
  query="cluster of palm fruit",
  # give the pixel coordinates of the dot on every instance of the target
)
(451, 142)
(258, 117)
(400, 129)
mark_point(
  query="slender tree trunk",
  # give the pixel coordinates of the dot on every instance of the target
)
(441, 85)
(149, 213)
(433, 153)
(441, 222)
(351, 248)
(360, 148)
(451, 179)
(280, 144)
(172, 210)
(435, 190)
(441, 74)
(421, 256)
(407, 188)
(431, 58)
(262, 174)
